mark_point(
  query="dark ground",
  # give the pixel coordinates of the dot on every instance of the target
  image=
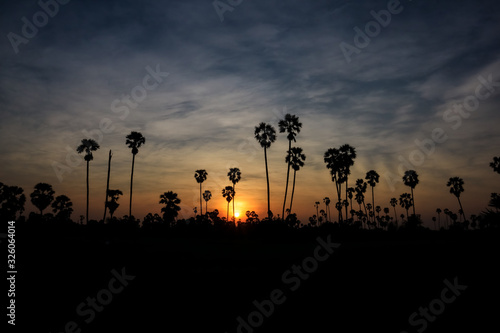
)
(201, 283)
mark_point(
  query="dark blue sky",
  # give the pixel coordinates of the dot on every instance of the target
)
(265, 59)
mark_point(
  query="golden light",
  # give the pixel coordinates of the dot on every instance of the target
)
(237, 214)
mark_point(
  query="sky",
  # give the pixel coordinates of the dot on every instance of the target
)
(410, 84)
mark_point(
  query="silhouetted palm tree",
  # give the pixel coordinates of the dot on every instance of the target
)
(410, 178)
(12, 201)
(87, 146)
(348, 154)
(114, 195)
(350, 196)
(326, 201)
(360, 189)
(62, 207)
(372, 177)
(405, 201)
(296, 159)
(438, 211)
(200, 176)
(334, 163)
(234, 175)
(42, 196)
(495, 164)
(134, 141)
(393, 203)
(456, 185)
(316, 204)
(228, 193)
(207, 195)
(265, 134)
(292, 126)
(171, 209)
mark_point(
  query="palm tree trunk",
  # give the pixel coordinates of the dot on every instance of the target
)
(87, 211)
(346, 186)
(234, 195)
(107, 188)
(395, 215)
(373, 203)
(287, 177)
(268, 196)
(227, 212)
(201, 205)
(461, 208)
(131, 182)
(293, 190)
(412, 198)
(206, 206)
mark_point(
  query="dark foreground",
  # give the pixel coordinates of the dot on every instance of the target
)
(152, 282)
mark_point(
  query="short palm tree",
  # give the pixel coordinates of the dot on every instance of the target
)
(393, 203)
(134, 141)
(113, 204)
(42, 196)
(291, 125)
(456, 185)
(207, 195)
(171, 209)
(296, 159)
(228, 193)
(234, 175)
(438, 211)
(406, 202)
(410, 178)
(200, 176)
(62, 207)
(495, 164)
(265, 134)
(326, 201)
(373, 178)
(87, 146)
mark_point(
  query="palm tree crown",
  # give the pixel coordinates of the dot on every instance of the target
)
(87, 146)
(135, 140)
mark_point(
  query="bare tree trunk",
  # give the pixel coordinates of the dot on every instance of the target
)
(107, 188)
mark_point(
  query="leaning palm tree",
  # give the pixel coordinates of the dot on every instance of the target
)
(265, 134)
(228, 193)
(200, 176)
(296, 159)
(410, 178)
(372, 177)
(234, 175)
(134, 141)
(291, 125)
(207, 195)
(87, 146)
(456, 185)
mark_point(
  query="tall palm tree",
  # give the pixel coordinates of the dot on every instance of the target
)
(265, 134)
(291, 125)
(234, 175)
(410, 178)
(456, 185)
(372, 177)
(87, 146)
(393, 203)
(42, 196)
(200, 176)
(334, 163)
(228, 193)
(348, 154)
(171, 209)
(296, 159)
(134, 141)
(207, 195)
